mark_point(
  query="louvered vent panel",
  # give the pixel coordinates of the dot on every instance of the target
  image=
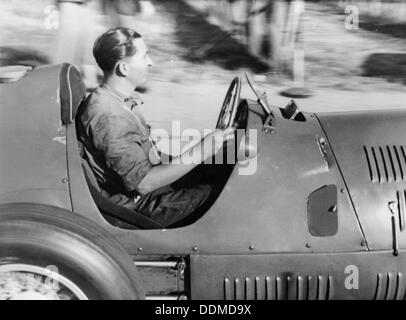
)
(390, 286)
(279, 288)
(386, 164)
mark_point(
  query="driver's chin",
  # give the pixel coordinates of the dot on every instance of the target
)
(145, 78)
(142, 81)
(138, 83)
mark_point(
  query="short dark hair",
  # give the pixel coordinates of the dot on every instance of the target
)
(114, 45)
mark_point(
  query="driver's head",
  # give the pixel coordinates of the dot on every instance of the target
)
(122, 52)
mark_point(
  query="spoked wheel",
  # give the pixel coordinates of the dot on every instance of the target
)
(30, 282)
(50, 253)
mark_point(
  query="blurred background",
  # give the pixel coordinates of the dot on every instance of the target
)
(329, 55)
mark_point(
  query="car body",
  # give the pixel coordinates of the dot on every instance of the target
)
(322, 217)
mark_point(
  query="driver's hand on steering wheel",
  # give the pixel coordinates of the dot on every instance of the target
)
(228, 133)
(222, 135)
(215, 140)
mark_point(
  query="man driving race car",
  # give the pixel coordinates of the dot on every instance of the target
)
(118, 146)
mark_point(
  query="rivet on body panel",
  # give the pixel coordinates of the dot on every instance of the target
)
(308, 245)
(195, 249)
(342, 190)
(64, 180)
(252, 248)
(140, 249)
(363, 243)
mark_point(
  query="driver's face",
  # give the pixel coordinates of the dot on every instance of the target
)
(138, 64)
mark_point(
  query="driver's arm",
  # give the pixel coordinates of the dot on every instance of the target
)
(165, 174)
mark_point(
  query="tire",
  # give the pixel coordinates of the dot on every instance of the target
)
(63, 255)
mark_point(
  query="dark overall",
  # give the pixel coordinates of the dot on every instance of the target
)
(117, 142)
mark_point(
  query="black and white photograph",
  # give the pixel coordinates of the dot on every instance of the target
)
(223, 151)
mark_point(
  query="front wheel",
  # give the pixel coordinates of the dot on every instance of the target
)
(47, 253)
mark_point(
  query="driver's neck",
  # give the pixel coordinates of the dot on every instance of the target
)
(120, 84)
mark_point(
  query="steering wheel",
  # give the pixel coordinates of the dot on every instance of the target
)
(229, 108)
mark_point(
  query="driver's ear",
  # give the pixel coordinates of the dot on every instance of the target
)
(122, 68)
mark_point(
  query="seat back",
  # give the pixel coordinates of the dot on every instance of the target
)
(71, 92)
